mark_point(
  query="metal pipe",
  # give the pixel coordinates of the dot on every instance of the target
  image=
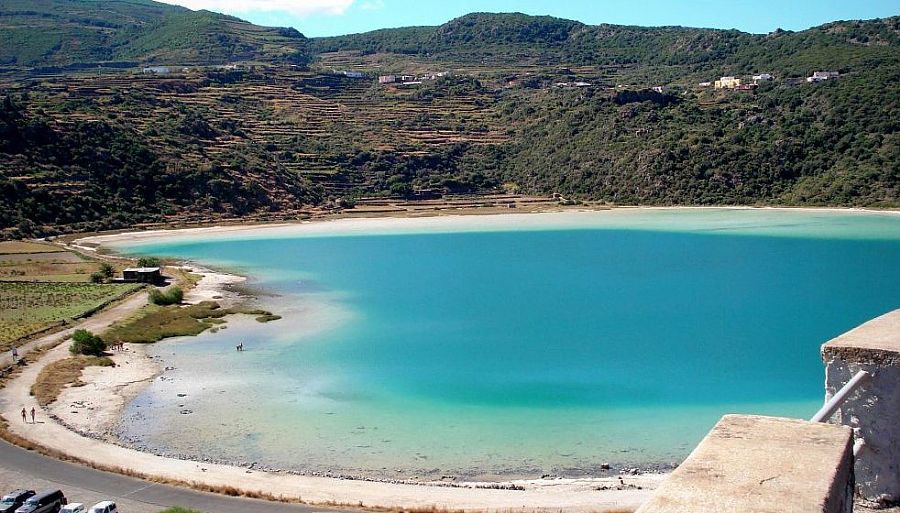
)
(858, 446)
(831, 406)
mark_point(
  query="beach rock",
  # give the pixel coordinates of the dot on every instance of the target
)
(604, 466)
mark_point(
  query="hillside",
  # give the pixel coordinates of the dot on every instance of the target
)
(531, 105)
(120, 32)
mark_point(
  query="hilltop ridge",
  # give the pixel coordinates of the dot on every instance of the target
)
(123, 32)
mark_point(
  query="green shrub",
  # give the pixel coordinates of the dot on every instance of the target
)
(107, 270)
(98, 277)
(149, 262)
(172, 296)
(86, 343)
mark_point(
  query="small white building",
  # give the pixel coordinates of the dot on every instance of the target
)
(387, 79)
(352, 74)
(705, 84)
(728, 83)
(820, 76)
(762, 77)
(661, 89)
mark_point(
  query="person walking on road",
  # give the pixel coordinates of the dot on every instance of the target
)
(32, 414)
(24, 416)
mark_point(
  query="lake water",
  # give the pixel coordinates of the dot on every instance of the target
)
(514, 345)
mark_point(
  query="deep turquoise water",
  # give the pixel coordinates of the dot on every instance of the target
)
(528, 350)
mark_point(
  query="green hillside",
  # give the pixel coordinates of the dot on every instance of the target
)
(67, 32)
(532, 105)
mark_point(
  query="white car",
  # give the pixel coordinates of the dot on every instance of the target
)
(104, 507)
(75, 507)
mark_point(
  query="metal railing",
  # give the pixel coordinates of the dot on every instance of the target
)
(838, 399)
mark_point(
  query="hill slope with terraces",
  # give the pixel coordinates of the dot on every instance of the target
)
(525, 105)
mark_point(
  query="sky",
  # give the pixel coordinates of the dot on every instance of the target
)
(334, 17)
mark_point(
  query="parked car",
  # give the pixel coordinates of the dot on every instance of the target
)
(104, 507)
(48, 501)
(73, 507)
(11, 501)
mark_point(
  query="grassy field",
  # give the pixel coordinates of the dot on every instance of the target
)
(15, 247)
(34, 261)
(30, 307)
(154, 323)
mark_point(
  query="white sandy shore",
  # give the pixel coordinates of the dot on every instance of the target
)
(96, 407)
(635, 217)
(213, 286)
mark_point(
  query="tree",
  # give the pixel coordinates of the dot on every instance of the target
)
(98, 277)
(107, 270)
(148, 262)
(86, 343)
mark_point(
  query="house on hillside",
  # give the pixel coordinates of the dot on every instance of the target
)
(745, 87)
(762, 77)
(705, 84)
(661, 89)
(142, 275)
(820, 76)
(727, 83)
(157, 70)
(353, 74)
(387, 79)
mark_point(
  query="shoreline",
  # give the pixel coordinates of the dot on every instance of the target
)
(60, 431)
(465, 220)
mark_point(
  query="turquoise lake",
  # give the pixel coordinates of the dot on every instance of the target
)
(513, 346)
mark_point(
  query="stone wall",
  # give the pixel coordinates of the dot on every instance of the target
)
(873, 411)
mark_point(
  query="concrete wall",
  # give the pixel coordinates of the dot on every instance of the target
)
(751, 464)
(874, 410)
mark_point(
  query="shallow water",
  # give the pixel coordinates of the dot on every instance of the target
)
(546, 344)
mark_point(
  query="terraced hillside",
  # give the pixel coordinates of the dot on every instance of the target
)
(523, 105)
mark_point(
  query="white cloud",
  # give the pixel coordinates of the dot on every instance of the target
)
(372, 5)
(293, 7)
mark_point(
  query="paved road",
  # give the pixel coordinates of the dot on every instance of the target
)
(24, 469)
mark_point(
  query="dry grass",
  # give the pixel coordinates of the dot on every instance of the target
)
(13, 247)
(58, 375)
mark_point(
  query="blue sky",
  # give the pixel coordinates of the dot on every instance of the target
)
(333, 17)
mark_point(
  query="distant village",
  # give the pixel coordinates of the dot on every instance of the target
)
(732, 83)
(740, 84)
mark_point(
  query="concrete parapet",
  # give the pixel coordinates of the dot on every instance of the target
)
(873, 411)
(750, 464)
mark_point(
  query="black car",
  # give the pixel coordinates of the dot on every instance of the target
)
(48, 501)
(11, 501)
